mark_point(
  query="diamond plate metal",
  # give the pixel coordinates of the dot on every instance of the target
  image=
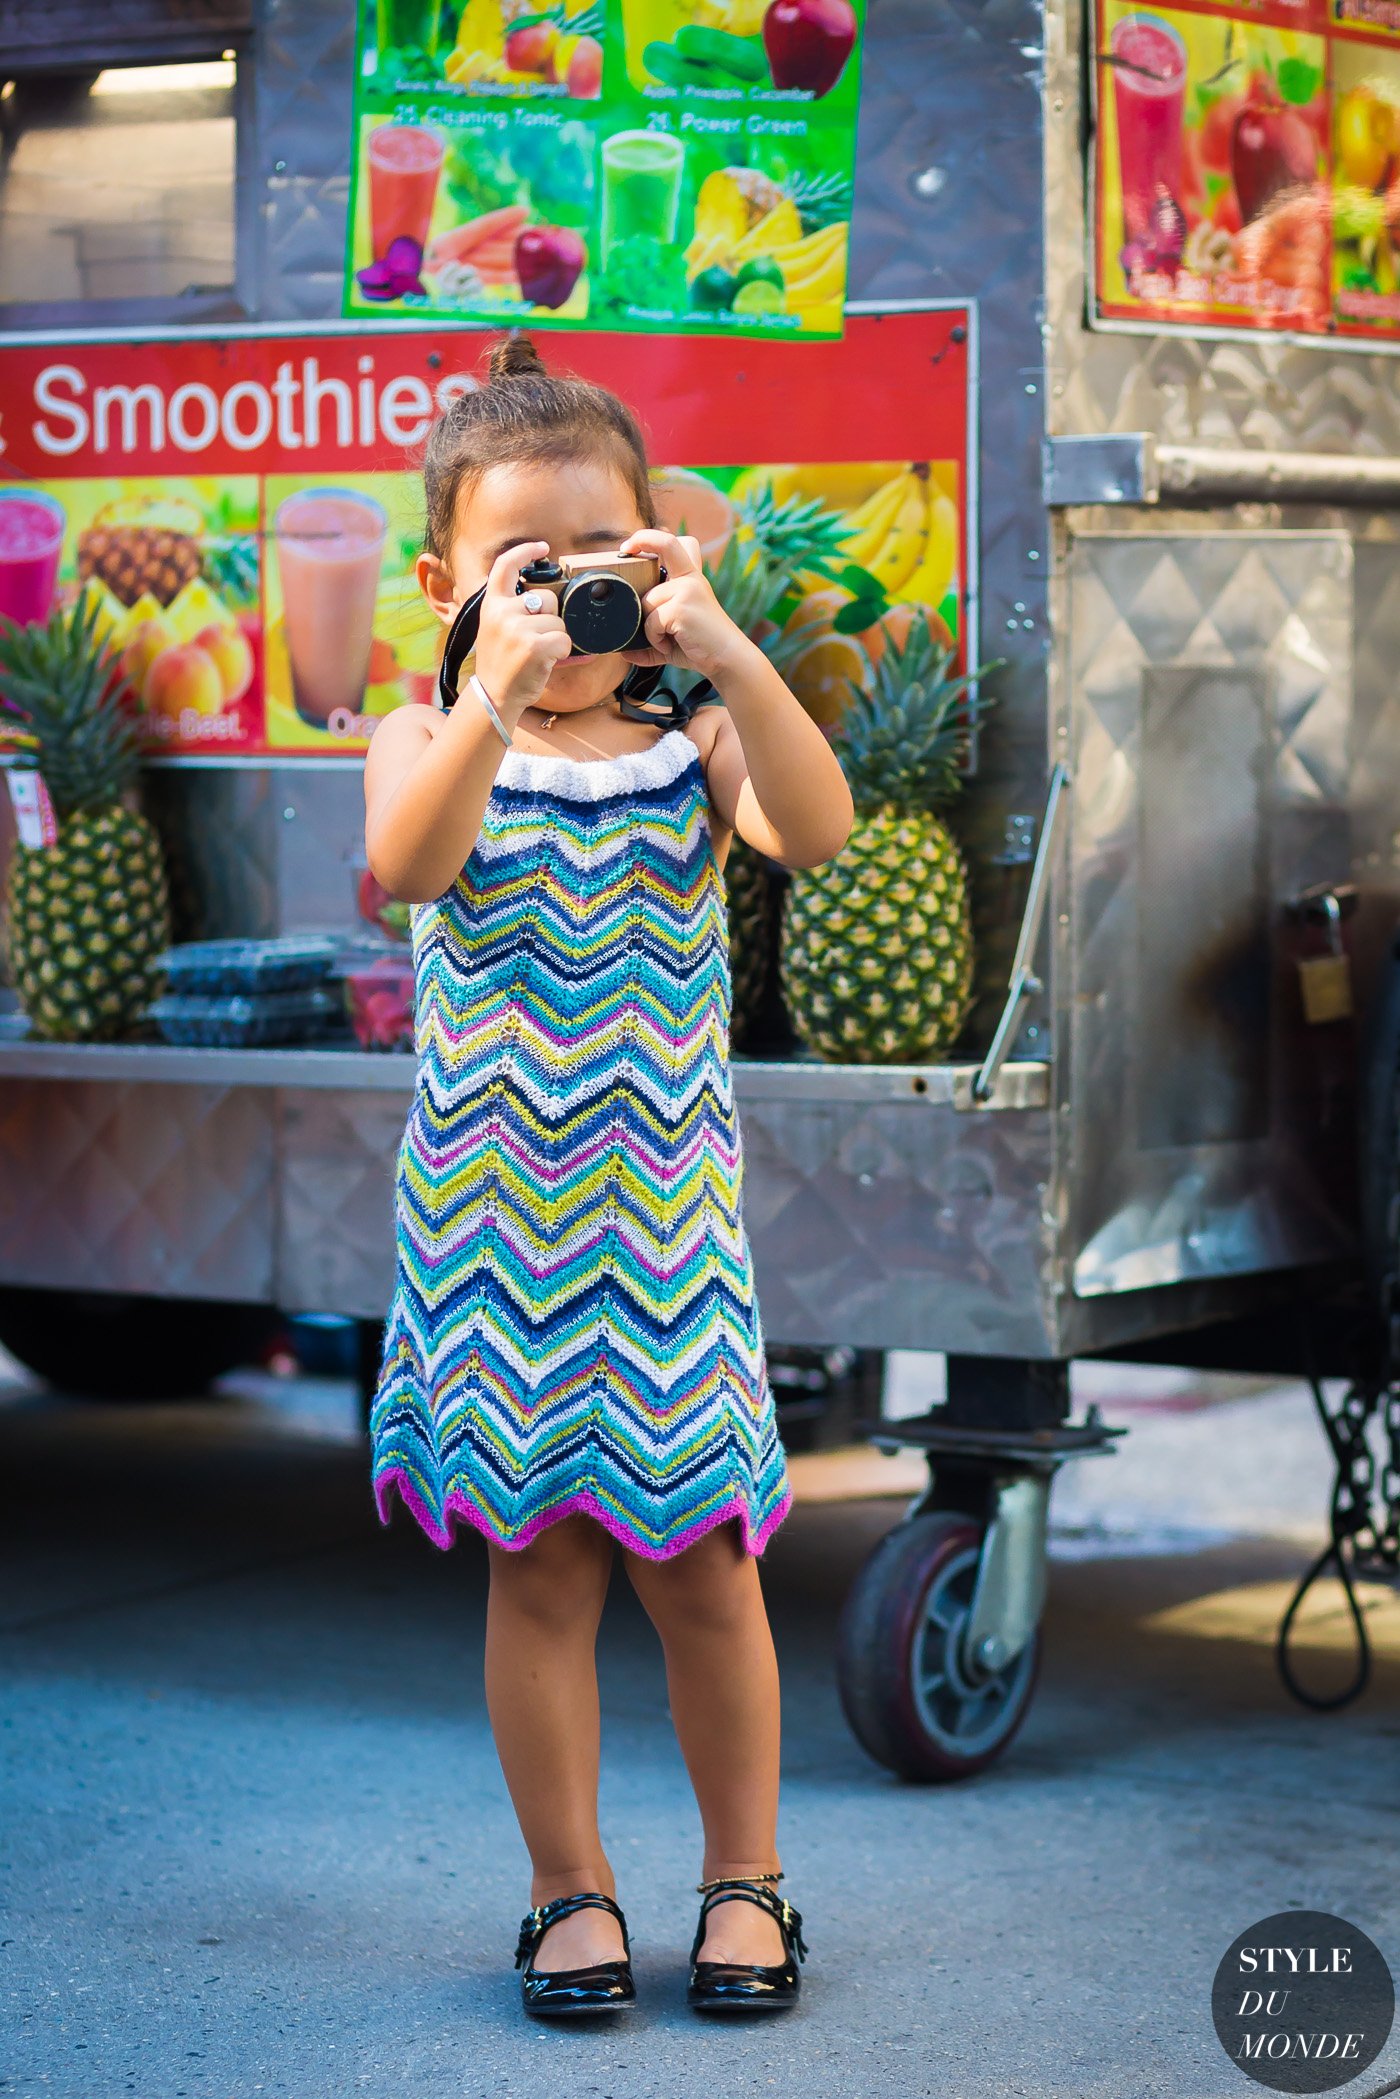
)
(161, 1189)
(899, 1226)
(1280, 606)
(335, 1224)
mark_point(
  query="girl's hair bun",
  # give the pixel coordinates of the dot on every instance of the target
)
(514, 357)
(526, 416)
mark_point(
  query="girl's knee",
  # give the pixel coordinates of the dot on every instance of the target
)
(711, 1586)
(560, 1576)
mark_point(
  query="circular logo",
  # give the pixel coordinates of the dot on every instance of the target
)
(1303, 2002)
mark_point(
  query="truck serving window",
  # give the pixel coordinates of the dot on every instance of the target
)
(117, 193)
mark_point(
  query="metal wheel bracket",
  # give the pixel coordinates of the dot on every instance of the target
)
(1011, 1574)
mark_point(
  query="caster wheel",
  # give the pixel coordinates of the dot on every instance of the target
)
(906, 1687)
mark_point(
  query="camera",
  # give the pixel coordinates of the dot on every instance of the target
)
(600, 601)
(599, 595)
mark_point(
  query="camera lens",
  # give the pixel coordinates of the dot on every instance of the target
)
(601, 613)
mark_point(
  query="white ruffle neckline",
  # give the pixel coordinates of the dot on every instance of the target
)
(593, 779)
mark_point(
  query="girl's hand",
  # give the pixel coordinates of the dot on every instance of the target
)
(516, 649)
(684, 620)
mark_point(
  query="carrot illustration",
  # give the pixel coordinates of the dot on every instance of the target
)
(463, 241)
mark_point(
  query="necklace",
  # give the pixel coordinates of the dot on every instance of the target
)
(551, 719)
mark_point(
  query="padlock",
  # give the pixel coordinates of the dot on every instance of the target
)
(1325, 980)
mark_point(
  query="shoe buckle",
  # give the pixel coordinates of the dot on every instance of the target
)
(792, 1923)
(531, 1932)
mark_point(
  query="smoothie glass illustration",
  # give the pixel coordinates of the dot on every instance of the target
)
(405, 161)
(31, 539)
(409, 25)
(1149, 93)
(330, 551)
(641, 186)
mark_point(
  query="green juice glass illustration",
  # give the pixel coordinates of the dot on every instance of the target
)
(409, 25)
(641, 186)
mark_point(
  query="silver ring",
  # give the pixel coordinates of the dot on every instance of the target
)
(533, 601)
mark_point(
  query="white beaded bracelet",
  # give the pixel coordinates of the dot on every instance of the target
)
(479, 692)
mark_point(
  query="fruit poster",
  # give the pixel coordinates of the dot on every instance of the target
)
(647, 166)
(1247, 170)
(244, 513)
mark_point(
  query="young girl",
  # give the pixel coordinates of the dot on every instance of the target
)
(573, 1356)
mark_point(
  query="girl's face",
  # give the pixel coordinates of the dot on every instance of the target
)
(580, 506)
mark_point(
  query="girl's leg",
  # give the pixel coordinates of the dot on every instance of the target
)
(722, 1675)
(542, 1695)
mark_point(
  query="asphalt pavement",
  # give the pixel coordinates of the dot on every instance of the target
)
(254, 1839)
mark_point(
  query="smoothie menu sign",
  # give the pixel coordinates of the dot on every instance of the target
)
(245, 512)
(647, 165)
(1248, 165)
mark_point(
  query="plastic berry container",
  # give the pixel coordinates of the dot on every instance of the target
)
(247, 968)
(199, 1020)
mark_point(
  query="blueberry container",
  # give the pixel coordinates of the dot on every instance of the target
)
(226, 968)
(194, 1020)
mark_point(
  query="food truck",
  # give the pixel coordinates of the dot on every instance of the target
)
(1114, 315)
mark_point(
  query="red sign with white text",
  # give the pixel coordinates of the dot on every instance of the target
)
(245, 511)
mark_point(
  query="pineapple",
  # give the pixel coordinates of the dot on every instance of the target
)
(89, 915)
(142, 548)
(771, 545)
(877, 952)
(751, 929)
(134, 562)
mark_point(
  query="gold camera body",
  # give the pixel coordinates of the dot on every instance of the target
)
(599, 596)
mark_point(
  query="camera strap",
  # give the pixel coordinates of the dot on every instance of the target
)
(461, 640)
(642, 697)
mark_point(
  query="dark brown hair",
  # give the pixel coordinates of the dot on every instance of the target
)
(525, 415)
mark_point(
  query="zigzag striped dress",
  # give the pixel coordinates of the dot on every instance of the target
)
(574, 1325)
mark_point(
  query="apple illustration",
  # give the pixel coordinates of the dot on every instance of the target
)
(1272, 149)
(1216, 132)
(549, 260)
(808, 42)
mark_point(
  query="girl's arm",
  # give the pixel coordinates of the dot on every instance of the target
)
(771, 773)
(427, 786)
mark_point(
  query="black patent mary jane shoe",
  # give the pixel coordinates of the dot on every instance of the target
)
(741, 1986)
(565, 1993)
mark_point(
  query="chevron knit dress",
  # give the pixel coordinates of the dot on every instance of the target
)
(574, 1325)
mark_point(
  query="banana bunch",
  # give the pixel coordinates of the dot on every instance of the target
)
(731, 230)
(739, 220)
(906, 536)
(739, 17)
(814, 275)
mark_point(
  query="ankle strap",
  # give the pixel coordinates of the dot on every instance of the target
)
(734, 1889)
(736, 1880)
(537, 1921)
